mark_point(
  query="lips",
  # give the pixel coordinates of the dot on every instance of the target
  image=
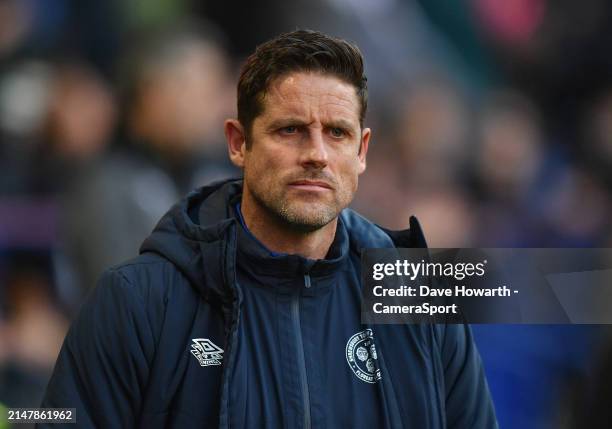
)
(314, 185)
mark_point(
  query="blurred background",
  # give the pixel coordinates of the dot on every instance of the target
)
(492, 124)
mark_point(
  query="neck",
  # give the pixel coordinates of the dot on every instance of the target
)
(280, 237)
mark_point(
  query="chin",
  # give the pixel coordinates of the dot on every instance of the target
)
(309, 216)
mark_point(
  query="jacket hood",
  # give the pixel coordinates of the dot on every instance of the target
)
(197, 235)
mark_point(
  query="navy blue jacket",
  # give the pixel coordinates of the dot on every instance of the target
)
(207, 329)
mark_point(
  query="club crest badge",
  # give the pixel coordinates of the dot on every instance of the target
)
(206, 352)
(362, 358)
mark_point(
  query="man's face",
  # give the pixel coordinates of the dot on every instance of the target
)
(306, 150)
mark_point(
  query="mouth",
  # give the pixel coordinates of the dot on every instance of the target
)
(310, 185)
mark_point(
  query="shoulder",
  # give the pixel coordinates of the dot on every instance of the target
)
(141, 267)
(148, 280)
(134, 300)
(366, 234)
(362, 232)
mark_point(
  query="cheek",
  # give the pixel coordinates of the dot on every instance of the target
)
(262, 167)
(276, 157)
(350, 169)
(348, 176)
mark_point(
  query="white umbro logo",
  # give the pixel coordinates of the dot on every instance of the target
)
(206, 352)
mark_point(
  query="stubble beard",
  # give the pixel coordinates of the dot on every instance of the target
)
(293, 214)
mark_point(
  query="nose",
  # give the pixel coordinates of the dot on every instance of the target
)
(315, 151)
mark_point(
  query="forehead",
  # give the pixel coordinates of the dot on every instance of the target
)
(311, 96)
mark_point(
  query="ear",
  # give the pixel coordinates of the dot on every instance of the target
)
(236, 141)
(366, 133)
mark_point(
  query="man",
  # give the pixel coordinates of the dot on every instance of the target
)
(243, 309)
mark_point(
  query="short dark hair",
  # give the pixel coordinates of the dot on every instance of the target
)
(300, 50)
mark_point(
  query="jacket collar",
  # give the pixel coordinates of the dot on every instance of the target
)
(260, 260)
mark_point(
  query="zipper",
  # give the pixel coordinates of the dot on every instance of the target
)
(295, 312)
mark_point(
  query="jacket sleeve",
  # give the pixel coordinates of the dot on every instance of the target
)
(468, 400)
(103, 366)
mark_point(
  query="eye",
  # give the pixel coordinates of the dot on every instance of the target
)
(337, 132)
(291, 129)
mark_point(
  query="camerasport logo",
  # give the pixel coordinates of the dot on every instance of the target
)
(361, 356)
(206, 352)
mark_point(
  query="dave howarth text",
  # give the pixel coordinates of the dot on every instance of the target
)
(426, 291)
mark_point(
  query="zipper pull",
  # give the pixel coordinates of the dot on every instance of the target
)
(307, 281)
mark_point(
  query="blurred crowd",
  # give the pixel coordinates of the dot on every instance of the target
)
(492, 123)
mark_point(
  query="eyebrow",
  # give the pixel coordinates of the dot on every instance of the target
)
(285, 122)
(340, 123)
